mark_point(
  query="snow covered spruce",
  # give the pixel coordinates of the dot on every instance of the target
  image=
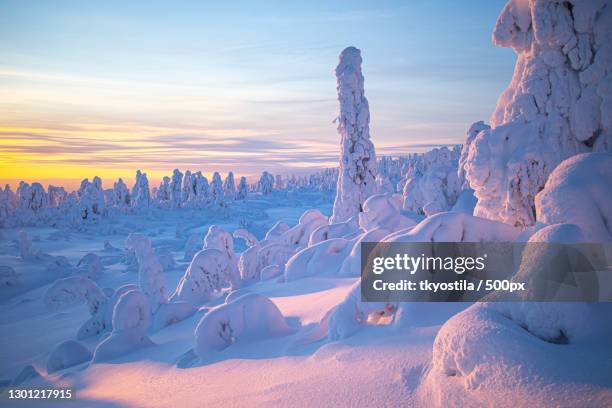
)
(92, 205)
(558, 104)
(357, 178)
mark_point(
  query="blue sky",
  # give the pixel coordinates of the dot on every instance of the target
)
(107, 87)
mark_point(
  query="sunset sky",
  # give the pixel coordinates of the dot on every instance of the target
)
(105, 88)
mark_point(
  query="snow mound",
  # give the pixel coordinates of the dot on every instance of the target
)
(338, 230)
(299, 235)
(218, 238)
(324, 258)
(559, 322)
(558, 104)
(90, 266)
(67, 354)
(487, 347)
(271, 271)
(280, 243)
(255, 259)
(171, 313)
(457, 227)
(108, 313)
(131, 319)
(500, 342)
(381, 216)
(384, 211)
(249, 317)
(350, 314)
(351, 265)
(74, 289)
(205, 275)
(579, 191)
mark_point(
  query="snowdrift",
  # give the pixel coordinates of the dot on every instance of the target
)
(245, 318)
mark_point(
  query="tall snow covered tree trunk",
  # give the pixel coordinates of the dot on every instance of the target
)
(558, 104)
(356, 181)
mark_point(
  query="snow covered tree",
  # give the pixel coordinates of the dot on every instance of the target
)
(7, 205)
(384, 185)
(91, 199)
(32, 197)
(121, 195)
(141, 195)
(357, 179)
(56, 196)
(218, 238)
(187, 188)
(246, 317)
(216, 188)
(206, 274)
(176, 188)
(74, 289)
(90, 266)
(432, 185)
(229, 186)
(131, 319)
(164, 192)
(242, 190)
(201, 188)
(278, 182)
(266, 183)
(150, 272)
(83, 187)
(558, 104)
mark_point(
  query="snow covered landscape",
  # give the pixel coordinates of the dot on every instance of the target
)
(226, 290)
